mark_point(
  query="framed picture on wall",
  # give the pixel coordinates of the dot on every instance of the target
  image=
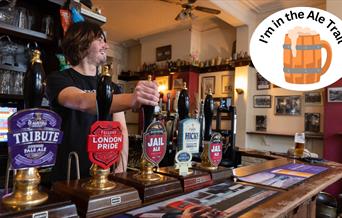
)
(288, 105)
(312, 122)
(262, 101)
(335, 94)
(177, 83)
(163, 53)
(262, 83)
(207, 83)
(227, 84)
(260, 122)
(313, 98)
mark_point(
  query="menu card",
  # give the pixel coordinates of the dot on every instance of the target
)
(284, 176)
(221, 200)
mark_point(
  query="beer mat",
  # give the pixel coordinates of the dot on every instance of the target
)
(285, 176)
(226, 199)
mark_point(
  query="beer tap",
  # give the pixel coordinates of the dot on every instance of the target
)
(148, 111)
(183, 103)
(208, 115)
(25, 189)
(104, 97)
(170, 123)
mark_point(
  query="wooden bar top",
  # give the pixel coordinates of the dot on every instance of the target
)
(285, 201)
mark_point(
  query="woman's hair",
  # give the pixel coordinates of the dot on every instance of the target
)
(77, 40)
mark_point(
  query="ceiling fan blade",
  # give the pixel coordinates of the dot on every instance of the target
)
(207, 10)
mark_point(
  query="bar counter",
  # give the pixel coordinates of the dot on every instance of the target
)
(298, 201)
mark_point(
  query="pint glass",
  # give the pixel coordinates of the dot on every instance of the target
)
(299, 144)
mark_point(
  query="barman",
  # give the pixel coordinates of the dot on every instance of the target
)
(72, 94)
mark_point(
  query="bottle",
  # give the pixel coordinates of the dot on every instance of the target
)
(148, 111)
(183, 103)
(208, 115)
(104, 95)
(34, 82)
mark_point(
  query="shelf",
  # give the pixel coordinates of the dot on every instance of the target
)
(58, 2)
(307, 135)
(23, 33)
(13, 68)
(11, 97)
(93, 17)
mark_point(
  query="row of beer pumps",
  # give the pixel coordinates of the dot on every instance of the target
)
(205, 117)
(100, 195)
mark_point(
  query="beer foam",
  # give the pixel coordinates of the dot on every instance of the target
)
(298, 31)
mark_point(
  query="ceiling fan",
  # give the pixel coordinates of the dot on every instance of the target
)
(188, 7)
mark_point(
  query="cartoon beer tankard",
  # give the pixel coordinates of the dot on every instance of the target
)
(303, 56)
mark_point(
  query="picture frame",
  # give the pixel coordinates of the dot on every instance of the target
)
(163, 53)
(207, 83)
(313, 98)
(262, 83)
(177, 83)
(262, 101)
(312, 122)
(335, 94)
(227, 84)
(162, 81)
(261, 123)
(227, 101)
(288, 105)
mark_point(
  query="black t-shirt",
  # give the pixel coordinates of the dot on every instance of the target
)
(75, 124)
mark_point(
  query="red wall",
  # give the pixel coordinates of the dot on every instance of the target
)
(332, 141)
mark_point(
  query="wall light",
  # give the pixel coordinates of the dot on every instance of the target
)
(240, 83)
(239, 91)
(162, 88)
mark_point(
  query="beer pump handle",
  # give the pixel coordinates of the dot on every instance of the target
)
(34, 82)
(202, 124)
(183, 103)
(104, 94)
(208, 115)
(148, 111)
(168, 105)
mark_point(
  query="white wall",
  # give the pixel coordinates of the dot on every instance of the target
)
(217, 42)
(134, 58)
(180, 40)
(117, 55)
(245, 78)
(195, 47)
(242, 44)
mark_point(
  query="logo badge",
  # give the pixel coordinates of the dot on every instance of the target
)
(298, 48)
(189, 135)
(105, 143)
(183, 162)
(33, 137)
(154, 142)
(215, 149)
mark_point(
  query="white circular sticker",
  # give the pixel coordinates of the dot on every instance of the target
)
(299, 48)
